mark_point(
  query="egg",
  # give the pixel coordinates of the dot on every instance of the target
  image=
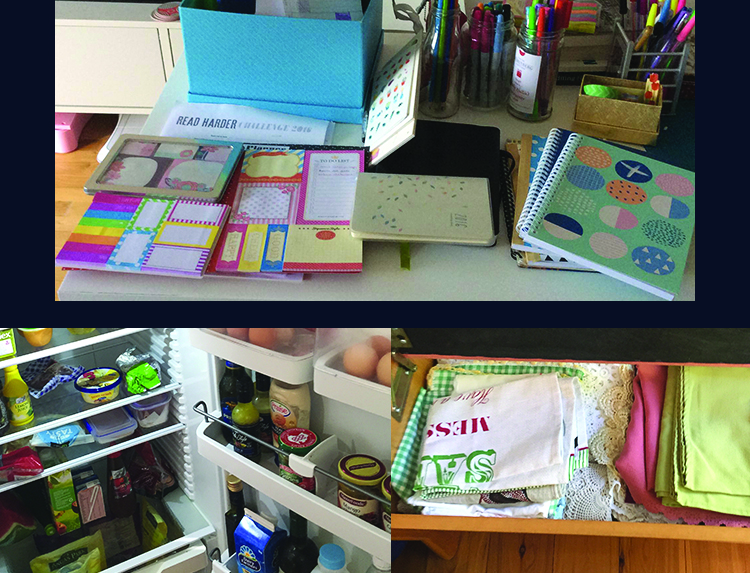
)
(361, 360)
(385, 370)
(238, 333)
(381, 344)
(284, 335)
(265, 337)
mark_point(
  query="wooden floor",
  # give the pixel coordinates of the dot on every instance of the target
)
(519, 553)
(71, 172)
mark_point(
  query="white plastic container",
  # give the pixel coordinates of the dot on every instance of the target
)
(291, 362)
(330, 378)
(331, 559)
(152, 412)
(112, 425)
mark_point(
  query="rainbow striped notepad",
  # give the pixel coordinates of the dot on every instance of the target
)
(145, 235)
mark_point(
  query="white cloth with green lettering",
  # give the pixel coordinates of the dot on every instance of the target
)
(518, 434)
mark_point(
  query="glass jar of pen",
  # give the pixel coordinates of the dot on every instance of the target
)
(488, 41)
(441, 56)
(535, 72)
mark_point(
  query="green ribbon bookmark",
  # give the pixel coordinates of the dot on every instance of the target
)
(405, 257)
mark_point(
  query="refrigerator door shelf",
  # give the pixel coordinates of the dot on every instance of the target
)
(289, 369)
(228, 566)
(330, 380)
(192, 559)
(321, 509)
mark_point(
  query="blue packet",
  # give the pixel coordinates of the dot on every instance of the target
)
(257, 541)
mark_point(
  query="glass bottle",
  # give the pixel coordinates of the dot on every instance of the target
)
(535, 73)
(16, 392)
(120, 496)
(290, 407)
(297, 553)
(236, 510)
(262, 403)
(228, 396)
(245, 417)
(441, 59)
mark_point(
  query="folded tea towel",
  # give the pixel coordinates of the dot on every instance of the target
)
(516, 496)
(499, 438)
(638, 461)
(534, 510)
(708, 464)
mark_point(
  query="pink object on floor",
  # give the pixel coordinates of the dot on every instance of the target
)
(637, 462)
(68, 127)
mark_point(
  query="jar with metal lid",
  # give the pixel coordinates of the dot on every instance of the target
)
(364, 471)
(386, 509)
(297, 441)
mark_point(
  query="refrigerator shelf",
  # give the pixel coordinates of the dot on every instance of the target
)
(64, 405)
(87, 453)
(62, 341)
(330, 380)
(321, 509)
(289, 369)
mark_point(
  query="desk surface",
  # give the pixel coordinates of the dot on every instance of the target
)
(438, 272)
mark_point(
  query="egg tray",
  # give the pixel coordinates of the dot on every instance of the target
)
(330, 380)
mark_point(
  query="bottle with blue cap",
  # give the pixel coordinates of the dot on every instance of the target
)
(331, 559)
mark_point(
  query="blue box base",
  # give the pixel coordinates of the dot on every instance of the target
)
(339, 114)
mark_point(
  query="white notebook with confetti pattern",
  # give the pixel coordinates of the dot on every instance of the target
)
(422, 208)
(612, 210)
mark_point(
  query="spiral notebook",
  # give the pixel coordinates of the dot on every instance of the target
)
(612, 210)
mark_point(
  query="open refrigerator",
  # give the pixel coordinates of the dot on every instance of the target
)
(350, 415)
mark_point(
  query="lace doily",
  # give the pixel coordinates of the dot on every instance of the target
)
(588, 496)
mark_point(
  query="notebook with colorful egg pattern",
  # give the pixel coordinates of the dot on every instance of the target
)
(615, 211)
(144, 235)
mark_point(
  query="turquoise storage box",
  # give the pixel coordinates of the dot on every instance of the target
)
(315, 68)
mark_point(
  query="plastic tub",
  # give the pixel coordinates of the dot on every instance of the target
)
(110, 426)
(109, 384)
(37, 336)
(152, 412)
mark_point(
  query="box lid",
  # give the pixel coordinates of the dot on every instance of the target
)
(391, 118)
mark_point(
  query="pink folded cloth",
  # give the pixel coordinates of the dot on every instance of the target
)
(637, 462)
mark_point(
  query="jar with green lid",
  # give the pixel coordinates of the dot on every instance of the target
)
(364, 471)
(386, 509)
(297, 441)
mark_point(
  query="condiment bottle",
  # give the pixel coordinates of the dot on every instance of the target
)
(236, 510)
(364, 471)
(17, 393)
(290, 407)
(262, 403)
(228, 396)
(297, 441)
(297, 553)
(245, 417)
(120, 496)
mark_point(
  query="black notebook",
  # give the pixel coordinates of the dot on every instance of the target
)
(456, 149)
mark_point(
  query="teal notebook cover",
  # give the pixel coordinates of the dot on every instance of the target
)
(615, 211)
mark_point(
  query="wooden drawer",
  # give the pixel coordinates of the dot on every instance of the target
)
(673, 346)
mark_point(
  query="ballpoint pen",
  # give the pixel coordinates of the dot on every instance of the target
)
(485, 47)
(447, 51)
(664, 15)
(476, 28)
(497, 57)
(673, 44)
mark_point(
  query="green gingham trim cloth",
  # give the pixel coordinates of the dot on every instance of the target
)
(406, 462)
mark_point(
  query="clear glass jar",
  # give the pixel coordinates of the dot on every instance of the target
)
(487, 73)
(535, 74)
(441, 59)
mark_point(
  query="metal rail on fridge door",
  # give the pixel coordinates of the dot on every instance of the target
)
(206, 416)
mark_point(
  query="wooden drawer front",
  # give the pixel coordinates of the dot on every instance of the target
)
(100, 66)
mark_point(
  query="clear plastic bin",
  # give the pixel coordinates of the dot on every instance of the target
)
(152, 412)
(111, 426)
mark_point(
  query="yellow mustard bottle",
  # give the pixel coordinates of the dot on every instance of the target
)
(16, 392)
